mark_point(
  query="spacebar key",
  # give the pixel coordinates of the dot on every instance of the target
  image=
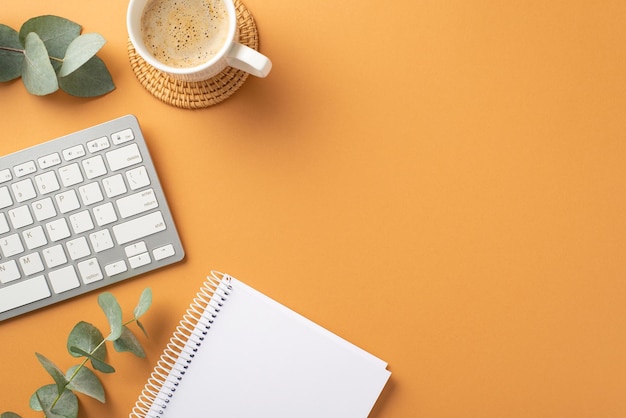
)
(139, 227)
(23, 293)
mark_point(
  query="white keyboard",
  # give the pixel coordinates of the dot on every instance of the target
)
(78, 213)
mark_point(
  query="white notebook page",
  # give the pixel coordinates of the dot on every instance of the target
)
(262, 360)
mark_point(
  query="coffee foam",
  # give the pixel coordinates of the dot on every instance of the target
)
(184, 33)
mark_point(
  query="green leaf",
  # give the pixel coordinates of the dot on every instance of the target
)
(81, 50)
(37, 71)
(53, 371)
(141, 327)
(9, 415)
(95, 362)
(55, 32)
(85, 337)
(10, 60)
(47, 410)
(66, 407)
(38, 404)
(90, 80)
(145, 301)
(129, 343)
(85, 381)
(113, 312)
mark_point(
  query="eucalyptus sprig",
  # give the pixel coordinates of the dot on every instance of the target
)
(85, 341)
(49, 53)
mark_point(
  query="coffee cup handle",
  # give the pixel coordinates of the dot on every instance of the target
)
(249, 60)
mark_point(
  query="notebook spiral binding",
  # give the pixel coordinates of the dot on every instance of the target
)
(182, 347)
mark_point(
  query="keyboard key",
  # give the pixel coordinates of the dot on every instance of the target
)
(124, 157)
(5, 175)
(138, 178)
(136, 248)
(139, 260)
(163, 252)
(23, 190)
(94, 167)
(9, 272)
(90, 271)
(114, 185)
(70, 175)
(115, 268)
(81, 222)
(64, 279)
(24, 292)
(104, 214)
(11, 245)
(5, 198)
(34, 237)
(58, 229)
(4, 225)
(20, 217)
(25, 169)
(54, 256)
(78, 248)
(31, 264)
(74, 152)
(47, 182)
(44, 209)
(139, 228)
(67, 201)
(98, 144)
(137, 203)
(49, 161)
(101, 240)
(123, 136)
(90, 194)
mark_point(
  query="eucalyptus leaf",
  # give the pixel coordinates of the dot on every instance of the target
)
(11, 58)
(86, 337)
(145, 301)
(90, 80)
(39, 404)
(53, 371)
(55, 32)
(113, 312)
(79, 51)
(129, 343)
(66, 407)
(37, 71)
(95, 362)
(9, 415)
(85, 381)
(47, 410)
(141, 327)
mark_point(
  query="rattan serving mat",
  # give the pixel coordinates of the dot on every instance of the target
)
(199, 94)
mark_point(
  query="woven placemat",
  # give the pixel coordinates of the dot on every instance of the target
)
(199, 94)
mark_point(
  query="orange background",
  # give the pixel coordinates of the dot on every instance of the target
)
(442, 183)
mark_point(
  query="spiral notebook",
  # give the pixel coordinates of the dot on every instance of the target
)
(238, 353)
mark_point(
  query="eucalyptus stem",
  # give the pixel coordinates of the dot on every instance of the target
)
(80, 366)
(21, 51)
(8, 48)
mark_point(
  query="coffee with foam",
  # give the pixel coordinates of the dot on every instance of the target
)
(184, 33)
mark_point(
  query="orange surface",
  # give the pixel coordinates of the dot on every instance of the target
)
(440, 182)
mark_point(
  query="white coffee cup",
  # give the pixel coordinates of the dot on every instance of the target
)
(231, 54)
